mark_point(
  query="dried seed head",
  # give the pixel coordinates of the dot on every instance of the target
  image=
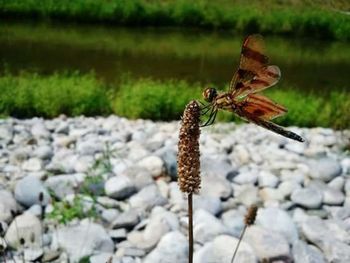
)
(188, 150)
(250, 216)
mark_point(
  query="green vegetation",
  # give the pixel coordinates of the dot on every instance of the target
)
(150, 99)
(29, 95)
(66, 211)
(275, 17)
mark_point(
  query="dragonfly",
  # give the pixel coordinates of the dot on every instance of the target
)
(253, 75)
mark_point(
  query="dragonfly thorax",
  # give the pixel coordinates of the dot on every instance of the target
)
(209, 94)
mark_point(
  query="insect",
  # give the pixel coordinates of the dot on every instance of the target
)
(252, 76)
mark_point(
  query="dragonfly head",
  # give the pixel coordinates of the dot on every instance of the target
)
(209, 94)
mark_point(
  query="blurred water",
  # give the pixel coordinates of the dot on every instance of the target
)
(197, 56)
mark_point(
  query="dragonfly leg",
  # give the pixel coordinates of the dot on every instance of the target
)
(211, 118)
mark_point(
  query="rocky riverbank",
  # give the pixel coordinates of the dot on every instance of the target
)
(99, 187)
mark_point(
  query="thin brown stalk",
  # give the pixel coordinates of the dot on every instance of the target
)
(190, 228)
(249, 220)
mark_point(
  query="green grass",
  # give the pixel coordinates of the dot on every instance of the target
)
(150, 99)
(165, 100)
(29, 95)
(270, 17)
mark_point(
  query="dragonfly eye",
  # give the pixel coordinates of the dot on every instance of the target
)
(209, 94)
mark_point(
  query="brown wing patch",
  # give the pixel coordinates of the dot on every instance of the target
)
(252, 61)
(259, 106)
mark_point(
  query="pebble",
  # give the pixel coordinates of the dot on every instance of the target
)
(307, 197)
(324, 169)
(119, 187)
(173, 247)
(28, 191)
(140, 215)
(220, 250)
(268, 244)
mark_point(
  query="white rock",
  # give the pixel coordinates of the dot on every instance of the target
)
(26, 227)
(307, 197)
(267, 179)
(7, 204)
(267, 244)
(32, 165)
(215, 186)
(278, 220)
(154, 164)
(207, 226)
(304, 253)
(28, 190)
(325, 169)
(147, 198)
(173, 247)
(82, 240)
(119, 187)
(220, 250)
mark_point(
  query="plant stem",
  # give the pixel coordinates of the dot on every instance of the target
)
(239, 242)
(190, 228)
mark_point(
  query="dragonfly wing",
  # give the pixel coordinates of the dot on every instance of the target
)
(253, 74)
(259, 106)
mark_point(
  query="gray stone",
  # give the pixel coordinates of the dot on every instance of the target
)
(337, 183)
(317, 231)
(168, 155)
(278, 220)
(304, 253)
(215, 186)
(267, 179)
(103, 257)
(246, 194)
(43, 152)
(28, 190)
(7, 204)
(207, 227)
(32, 254)
(160, 223)
(154, 164)
(220, 250)
(246, 177)
(32, 165)
(26, 227)
(89, 147)
(215, 167)
(62, 185)
(6, 133)
(333, 196)
(324, 169)
(267, 244)
(171, 248)
(147, 198)
(119, 187)
(118, 234)
(268, 194)
(39, 130)
(233, 220)
(139, 176)
(286, 188)
(82, 240)
(209, 203)
(307, 197)
(109, 215)
(127, 219)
